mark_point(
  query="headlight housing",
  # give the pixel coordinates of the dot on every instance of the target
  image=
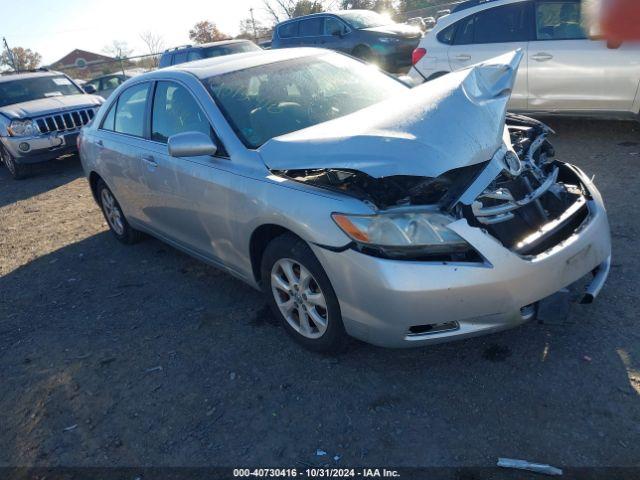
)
(403, 234)
(22, 128)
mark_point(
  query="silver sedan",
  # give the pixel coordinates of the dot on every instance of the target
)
(359, 206)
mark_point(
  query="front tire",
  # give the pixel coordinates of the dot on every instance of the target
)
(114, 216)
(17, 170)
(301, 296)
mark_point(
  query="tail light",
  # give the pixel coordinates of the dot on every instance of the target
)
(417, 55)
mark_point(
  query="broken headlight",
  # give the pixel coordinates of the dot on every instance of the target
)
(404, 234)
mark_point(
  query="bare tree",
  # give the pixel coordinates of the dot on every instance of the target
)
(155, 45)
(283, 9)
(118, 49)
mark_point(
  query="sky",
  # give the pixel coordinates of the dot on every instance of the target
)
(55, 28)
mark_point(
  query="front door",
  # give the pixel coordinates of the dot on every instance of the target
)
(189, 198)
(569, 72)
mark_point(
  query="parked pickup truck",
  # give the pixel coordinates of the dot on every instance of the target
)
(41, 114)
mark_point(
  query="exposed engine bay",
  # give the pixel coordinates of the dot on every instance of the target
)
(529, 210)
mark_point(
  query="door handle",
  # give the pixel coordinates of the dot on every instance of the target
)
(149, 160)
(463, 57)
(99, 143)
(542, 57)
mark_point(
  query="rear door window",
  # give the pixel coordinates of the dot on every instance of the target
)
(509, 23)
(130, 110)
(288, 30)
(502, 24)
(559, 21)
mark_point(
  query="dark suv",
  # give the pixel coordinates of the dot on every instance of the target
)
(361, 33)
(189, 53)
(41, 114)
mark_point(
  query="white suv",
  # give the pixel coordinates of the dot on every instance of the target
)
(563, 70)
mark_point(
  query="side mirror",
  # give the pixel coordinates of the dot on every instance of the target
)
(191, 144)
(89, 89)
(613, 44)
(337, 33)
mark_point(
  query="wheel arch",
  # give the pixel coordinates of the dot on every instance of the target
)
(260, 238)
(94, 178)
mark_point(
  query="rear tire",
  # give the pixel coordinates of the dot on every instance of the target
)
(364, 53)
(301, 296)
(17, 170)
(114, 216)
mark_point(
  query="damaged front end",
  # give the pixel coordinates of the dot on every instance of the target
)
(529, 208)
(447, 151)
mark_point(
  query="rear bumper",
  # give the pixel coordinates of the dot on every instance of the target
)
(41, 148)
(382, 299)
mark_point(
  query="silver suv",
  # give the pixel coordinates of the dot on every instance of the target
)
(41, 114)
(563, 71)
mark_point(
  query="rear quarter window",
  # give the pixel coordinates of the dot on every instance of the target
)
(446, 36)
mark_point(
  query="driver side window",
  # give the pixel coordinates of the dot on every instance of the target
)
(176, 111)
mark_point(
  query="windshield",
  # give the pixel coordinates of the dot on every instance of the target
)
(271, 100)
(365, 19)
(27, 89)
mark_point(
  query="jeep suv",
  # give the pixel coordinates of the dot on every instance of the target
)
(41, 114)
(190, 53)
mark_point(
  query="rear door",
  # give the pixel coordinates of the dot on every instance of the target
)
(569, 72)
(492, 32)
(121, 137)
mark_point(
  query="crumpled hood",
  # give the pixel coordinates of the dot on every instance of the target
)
(398, 29)
(451, 122)
(46, 106)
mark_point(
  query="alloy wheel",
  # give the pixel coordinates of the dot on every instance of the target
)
(112, 211)
(299, 298)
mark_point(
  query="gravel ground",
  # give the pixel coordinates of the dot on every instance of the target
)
(114, 355)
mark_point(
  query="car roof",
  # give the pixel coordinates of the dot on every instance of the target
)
(210, 67)
(10, 77)
(205, 45)
(337, 13)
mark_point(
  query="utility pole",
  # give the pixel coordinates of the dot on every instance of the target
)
(10, 55)
(253, 23)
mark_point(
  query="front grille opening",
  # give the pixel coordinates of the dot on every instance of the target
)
(419, 330)
(540, 225)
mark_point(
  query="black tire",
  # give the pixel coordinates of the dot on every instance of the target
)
(124, 232)
(364, 53)
(287, 246)
(18, 171)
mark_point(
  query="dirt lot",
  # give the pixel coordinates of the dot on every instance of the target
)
(115, 355)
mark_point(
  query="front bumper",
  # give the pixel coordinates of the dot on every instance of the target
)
(382, 299)
(41, 148)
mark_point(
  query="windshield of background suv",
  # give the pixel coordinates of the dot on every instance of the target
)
(27, 89)
(365, 19)
(271, 100)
